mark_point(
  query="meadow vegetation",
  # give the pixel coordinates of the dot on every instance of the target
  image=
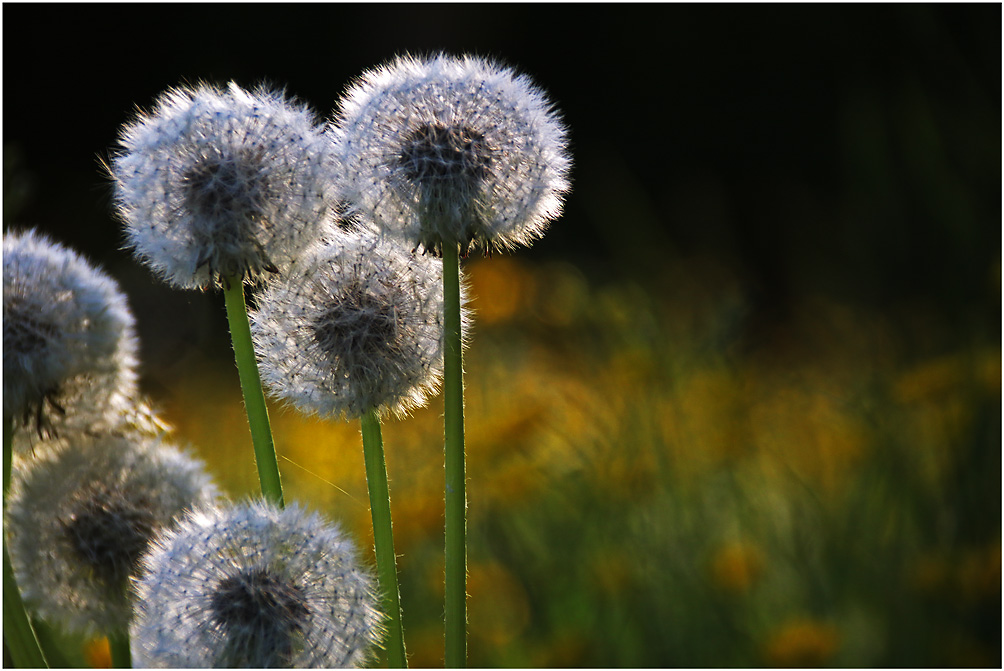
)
(650, 489)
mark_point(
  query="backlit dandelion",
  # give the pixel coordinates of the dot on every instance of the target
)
(452, 150)
(356, 327)
(216, 183)
(69, 344)
(446, 153)
(253, 585)
(80, 516)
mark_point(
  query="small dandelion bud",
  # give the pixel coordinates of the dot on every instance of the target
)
(253, 585)
(218, 183)
(452, 150)
(80, 516)
(69, 344)
(357, 327)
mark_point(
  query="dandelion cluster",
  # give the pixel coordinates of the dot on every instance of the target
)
(251, 585)
(452, 150)
(81, 514)
(69, 343)
(356, 327)
(113, 530)
(216, 183)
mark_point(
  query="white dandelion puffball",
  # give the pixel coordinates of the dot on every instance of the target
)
(69, 342)
(80, 516)
(452, 150)
(252, 585)
(356, 327)
(215, 183)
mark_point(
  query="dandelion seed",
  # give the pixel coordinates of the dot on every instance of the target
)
(253, 585)
(69, 344)
(218, 183)
(356, 327)
(452, 150)
(80, 516)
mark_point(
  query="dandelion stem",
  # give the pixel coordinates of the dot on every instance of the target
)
(8, 454)
(254, 398)
(456, 494)
(119, 646)
(51, 644)
(18, 633)
(383, 537)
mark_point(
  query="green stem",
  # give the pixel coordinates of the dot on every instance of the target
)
(8, 455)
(17, 631)
(383, 537)
(18, 634)
(51, 643)
(254, 398)
(119, 646)
(456, 494)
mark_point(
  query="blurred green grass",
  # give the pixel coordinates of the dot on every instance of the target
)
(646, 490)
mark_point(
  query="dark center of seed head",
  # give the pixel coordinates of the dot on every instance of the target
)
(226, 195)
(261, 613)
(256, 598)
(23, 331)
(434, 154)
(110, 531)
(357, 323)
(228, 189)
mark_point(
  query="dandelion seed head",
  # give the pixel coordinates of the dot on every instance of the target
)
(452, 150)
(252, 585)
(69, 343)
(357, 327)
(215, 183)
(82, 513)
(123, 415)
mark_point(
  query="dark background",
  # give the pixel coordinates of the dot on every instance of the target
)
(845, 149)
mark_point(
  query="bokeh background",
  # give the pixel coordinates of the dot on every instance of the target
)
(740, 407)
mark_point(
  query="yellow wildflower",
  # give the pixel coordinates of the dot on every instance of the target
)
(802, 642)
